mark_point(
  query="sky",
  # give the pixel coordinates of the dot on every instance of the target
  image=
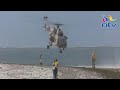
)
(83, 28)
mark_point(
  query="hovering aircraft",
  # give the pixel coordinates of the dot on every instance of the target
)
(55, 35)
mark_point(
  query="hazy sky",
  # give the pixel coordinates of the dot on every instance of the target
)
(83, 28)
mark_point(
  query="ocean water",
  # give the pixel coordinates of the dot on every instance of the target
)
(105, 56)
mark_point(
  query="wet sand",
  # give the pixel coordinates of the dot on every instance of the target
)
(77, 73)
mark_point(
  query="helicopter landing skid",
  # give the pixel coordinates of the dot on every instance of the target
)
(60, 50)
(48, 46)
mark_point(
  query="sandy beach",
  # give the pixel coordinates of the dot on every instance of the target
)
(16, 71)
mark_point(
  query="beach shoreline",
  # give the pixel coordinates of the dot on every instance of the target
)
(29, 71)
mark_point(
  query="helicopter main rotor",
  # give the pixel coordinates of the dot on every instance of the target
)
(58, 24)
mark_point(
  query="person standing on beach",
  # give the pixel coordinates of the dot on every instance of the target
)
(93, 59)
(41, 59)
(55, 70)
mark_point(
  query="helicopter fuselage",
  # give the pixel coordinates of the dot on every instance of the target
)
(56, 35)
(57, 38)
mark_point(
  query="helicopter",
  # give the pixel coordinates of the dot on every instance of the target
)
(55, 35)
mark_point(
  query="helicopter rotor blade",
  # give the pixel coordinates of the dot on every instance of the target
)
(58, 24)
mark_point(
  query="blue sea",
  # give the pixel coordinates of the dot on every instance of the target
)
(78, 56)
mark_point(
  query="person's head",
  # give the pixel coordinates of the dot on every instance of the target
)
(56, 60)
